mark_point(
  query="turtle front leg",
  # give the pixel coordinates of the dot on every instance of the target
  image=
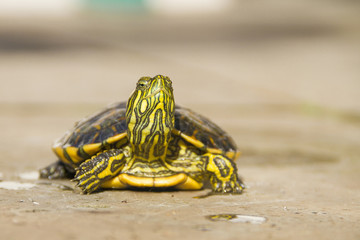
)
(100, 168)
(223, 174)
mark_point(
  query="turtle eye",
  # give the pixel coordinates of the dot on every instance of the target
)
(168, 81)
(142, 84)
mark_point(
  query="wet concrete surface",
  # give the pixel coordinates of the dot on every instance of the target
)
(290, 99)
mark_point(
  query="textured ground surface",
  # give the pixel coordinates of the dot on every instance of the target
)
(284, 84)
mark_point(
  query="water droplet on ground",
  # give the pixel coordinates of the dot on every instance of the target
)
(237, 218)
(9, 185)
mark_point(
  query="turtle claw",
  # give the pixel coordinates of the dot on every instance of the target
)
(229, 188)
(86, 181)
(88, 186)
(97, 170)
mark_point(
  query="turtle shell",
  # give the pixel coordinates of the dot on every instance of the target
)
(107, 127)
(204, 133)
(99, 127)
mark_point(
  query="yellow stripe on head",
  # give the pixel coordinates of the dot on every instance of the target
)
(150, 117)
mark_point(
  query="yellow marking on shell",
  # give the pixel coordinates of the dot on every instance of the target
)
(189, 184)
(91, 149)
(194, 142)
(175, 132)
(73, 153)
(59, 151)
(125, 180)
(233, 155)
(114, 183)
(197, 143)
(116, 138)
(129, 180)
(212, 141)
(214, 150)
(170, 181)
(194, 133)
(95, 136)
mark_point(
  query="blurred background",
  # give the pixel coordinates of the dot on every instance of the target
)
(282, 77)
(216, 51)
(265, 70)
(274, 73)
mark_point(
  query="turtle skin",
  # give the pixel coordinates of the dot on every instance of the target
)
(106, 130)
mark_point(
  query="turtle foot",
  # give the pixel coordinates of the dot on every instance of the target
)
(56, 170)
(230, 187)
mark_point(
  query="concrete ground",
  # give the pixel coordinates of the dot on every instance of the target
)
(282, 78)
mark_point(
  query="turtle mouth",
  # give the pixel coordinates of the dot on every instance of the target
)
(159, 90)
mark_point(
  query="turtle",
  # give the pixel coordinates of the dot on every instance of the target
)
(147, 142)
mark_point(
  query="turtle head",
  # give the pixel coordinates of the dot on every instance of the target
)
(150, 117)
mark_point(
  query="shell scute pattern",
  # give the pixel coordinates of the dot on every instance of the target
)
(111, 121)
(100, 127)
(202, 129)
